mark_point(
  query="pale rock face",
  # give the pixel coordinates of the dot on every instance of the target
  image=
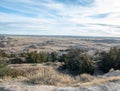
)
(113, 73)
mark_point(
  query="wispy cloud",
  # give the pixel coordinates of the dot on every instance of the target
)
(60, 17)
(103, 15)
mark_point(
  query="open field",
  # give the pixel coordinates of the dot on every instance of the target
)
(48, 44)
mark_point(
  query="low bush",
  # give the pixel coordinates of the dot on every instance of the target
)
(78, 62)
(110, 59)
(35, 57)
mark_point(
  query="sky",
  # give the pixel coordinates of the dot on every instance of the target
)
(60, 17)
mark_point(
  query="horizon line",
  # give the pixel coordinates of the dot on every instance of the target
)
(77, 36)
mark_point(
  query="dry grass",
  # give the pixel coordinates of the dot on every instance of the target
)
(48, 75)
(84, 78)
(98, 81)
(23, 70)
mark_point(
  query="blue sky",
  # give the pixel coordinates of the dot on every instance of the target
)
(60, 17)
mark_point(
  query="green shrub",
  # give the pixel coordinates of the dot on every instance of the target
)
(53, 57)
(78, 62)
(110, 60)
(35, 57)
(31, 57)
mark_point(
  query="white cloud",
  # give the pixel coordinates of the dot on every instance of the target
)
(51, 17)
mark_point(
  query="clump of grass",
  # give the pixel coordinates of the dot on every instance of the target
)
(25, 72)
(84, 78)
(48, 76)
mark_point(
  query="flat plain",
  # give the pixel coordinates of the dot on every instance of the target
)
(55, 43)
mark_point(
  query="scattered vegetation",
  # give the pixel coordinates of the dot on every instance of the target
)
(77, 63)
(34, 57)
